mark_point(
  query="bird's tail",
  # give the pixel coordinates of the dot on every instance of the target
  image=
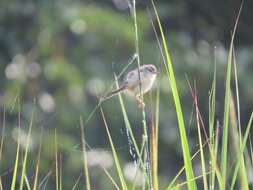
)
(113, 93)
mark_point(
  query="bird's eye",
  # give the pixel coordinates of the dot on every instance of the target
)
(151, 69)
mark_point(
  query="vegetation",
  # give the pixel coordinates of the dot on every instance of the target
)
(57, 135)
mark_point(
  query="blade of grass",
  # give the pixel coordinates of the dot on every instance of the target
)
(2, 143)
(236, 144)
(251, 152)
(243, 170)
(56, 161)
(60, 173)
(23, 172)
(213, 154)
(154, 144)
(214, 157)
(38, 162)
(211, 118)
(2, 134)
(224, 148)
(14, 177)
(237, 95)
(85, 161)
(199, 125)
(240, 159)
(115, 156)
(203, 167)
(184, 142)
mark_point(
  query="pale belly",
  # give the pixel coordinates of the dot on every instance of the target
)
(146, 85)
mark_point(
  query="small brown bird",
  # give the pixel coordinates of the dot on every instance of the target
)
(136, 82)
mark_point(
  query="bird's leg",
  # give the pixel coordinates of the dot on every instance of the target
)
(141, 104)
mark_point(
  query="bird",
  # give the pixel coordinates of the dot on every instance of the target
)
(138, 81)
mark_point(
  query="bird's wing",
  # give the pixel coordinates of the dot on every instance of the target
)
(131, 77)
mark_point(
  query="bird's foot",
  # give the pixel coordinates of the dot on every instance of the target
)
(141, 105)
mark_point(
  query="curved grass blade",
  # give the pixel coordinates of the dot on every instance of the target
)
(35, 183)
(115, 156)
(240, 159)
(85, 161)
(56, 161)
(26, 154)
(14, 177)
(224, 148)
(184, 142)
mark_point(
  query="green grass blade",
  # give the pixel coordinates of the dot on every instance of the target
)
(2, 135)
(212, 98)
(213, 137)
(2, 143)
(183, 137)
(243, 171)
(85, 161)
(236, 144)
(23, 173)
(35, 183)
(115, 156)
(203, 167)
(60, 173)
(213, 152)
(56, 162)
(14, 177)
(224, 148)
(237, 96)
(251, 152)
(240, 160)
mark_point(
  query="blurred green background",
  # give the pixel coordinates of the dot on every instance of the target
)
(59, 55)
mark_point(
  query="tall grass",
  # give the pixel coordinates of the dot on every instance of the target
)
(212, 153)
(180, 117)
